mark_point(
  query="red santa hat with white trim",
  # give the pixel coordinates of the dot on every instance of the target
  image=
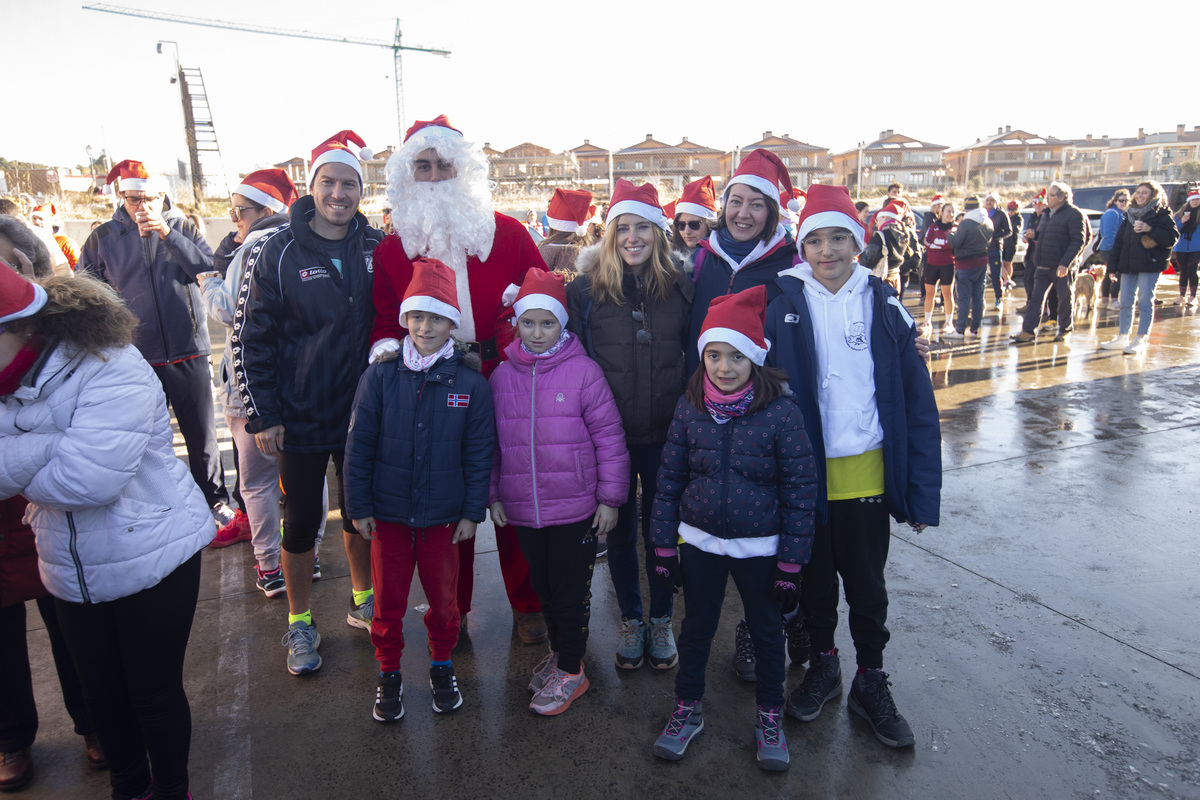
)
(337, 150)
(132, 176)
(830, 207)
(737, 320)
(46, 211)
(433, 290)
(19, 297)
(640, 200)
(1194, 193)
(542, 289)
(569, 210)
(699, 198)
(423, 132)
(793, 201)
(272, 188)
(762, 170)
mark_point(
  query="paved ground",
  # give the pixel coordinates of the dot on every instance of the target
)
(1043, 641)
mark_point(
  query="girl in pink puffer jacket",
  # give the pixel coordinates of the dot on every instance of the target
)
(561, 469)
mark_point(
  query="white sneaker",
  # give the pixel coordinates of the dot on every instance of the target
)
(1116, 343)
(952, 335)
(1136, 345)
(970, 336)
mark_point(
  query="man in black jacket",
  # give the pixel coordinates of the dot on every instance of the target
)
(151, 254)
(1001, 230)
(300, 337)
(1060, 235)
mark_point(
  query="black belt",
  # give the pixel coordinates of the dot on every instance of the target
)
(487, 350)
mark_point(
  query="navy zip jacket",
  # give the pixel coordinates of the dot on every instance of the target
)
(748, 478)
(419, 452)
(301, 331)
(161, 292)
(715, 278)
(912, 434)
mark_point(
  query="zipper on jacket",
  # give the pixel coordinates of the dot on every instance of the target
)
(162, 329)
(728, 445)
(75, 558)
(537, 511)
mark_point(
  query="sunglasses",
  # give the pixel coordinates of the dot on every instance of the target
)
(639, 315)
(235, 213)
(694, 225)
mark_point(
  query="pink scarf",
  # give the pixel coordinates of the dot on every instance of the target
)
(419, 363)
(724, 407)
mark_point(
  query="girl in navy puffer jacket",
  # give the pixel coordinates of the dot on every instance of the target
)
(738, 486)
(560, 471)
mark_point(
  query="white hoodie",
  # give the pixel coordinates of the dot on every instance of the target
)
(845, 369)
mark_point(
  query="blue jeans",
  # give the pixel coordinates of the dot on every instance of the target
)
(1141, 283)
(622, 539)
(968, 297)
(705, 576)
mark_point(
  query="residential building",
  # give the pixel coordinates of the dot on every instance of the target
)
(1085, 160)
(593, 164)
(806, 163)
(297, 169)
(1157, 156)
(529, 166)
(668, 167)
(1005, 159)
(892, 158)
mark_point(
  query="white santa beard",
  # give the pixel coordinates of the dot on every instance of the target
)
(446, 221)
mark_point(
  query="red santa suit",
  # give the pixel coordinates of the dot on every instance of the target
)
(513, 253)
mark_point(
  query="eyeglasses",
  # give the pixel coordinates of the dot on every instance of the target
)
(693, 225)
(137, 200)
(235, 213)
(639, 315)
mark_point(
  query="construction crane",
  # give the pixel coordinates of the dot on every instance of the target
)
(395, 46)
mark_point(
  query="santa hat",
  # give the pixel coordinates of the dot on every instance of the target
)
(937, 200)
(131, 175)
(45, 211)
(268, 187)
(19, 298)
(669, 210)
(762, 170)
(830, 207)
(545, 290)
(1040, 197)
(793, 201)
(737, 320)
(337, 150)
(994, 197)
(432, 289)
(640, 200)
(568, 210)
(1193, 193)
(699, 199)
(423, 131)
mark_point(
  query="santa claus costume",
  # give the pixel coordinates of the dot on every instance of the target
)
(451, 219)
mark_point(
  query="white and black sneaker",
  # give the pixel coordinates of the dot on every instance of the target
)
(389, 698)
(444, 686)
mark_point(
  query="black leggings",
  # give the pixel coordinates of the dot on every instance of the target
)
(561, 559)
(1187, 264)
(129, 654)
(302, 476)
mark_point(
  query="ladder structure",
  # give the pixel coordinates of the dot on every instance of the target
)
(204, 151)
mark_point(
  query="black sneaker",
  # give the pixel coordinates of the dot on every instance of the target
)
(444, 686)
(744, 663)
(871, 699)
(821, 683)
(799, 647)
(389, 698)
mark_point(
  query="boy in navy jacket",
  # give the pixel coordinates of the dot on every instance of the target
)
(846, 343)
(418, 464)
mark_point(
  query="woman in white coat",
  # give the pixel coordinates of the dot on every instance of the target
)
(119, 522)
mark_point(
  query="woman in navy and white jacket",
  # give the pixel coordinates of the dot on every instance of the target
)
(119, 522)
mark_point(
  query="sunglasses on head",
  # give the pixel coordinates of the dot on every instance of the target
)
(694, 225)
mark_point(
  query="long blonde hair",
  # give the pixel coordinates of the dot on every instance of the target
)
(607, 273)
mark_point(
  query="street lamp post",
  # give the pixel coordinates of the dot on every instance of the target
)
(91, 166)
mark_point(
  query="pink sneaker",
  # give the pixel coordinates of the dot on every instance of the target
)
(234, 531)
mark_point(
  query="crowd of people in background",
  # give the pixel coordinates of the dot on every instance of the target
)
(730, 380)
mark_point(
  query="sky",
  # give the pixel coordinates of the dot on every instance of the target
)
(830, 74)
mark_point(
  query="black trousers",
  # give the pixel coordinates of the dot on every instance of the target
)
(18, 713)
(1044, 279)
(302, 476)
(188, 386)
(853, 543)
(561, 560)
(129, 654)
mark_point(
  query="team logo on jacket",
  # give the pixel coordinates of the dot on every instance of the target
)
(558, 398)
(312, 273)
(856, 336)
(791, 318)
(370, 258)
(458, 400)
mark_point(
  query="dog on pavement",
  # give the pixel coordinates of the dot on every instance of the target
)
(1086, 287)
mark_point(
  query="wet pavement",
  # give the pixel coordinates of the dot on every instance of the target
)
(1042, 637)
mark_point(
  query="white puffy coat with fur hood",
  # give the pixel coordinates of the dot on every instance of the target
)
(88, 442)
